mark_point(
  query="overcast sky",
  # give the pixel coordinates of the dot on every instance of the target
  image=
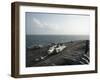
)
(57, 24)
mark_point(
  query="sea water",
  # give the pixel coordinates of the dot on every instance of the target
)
(48, 39)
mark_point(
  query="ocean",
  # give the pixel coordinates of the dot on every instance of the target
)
(47, 39)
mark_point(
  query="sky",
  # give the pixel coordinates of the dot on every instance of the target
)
(56, 24)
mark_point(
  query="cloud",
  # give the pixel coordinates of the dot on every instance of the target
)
(37, 22)
(44, 25)
(41, 27)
